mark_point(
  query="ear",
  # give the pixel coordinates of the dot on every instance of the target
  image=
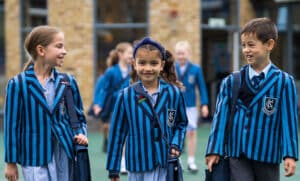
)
(40, 50)
(270, 44)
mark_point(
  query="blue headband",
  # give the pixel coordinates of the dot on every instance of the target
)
(149, 41)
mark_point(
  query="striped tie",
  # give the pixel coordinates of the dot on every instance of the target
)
(257, 79)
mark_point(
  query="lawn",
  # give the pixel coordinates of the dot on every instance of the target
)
(98, 158)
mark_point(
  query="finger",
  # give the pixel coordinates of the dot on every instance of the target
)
(210, 163)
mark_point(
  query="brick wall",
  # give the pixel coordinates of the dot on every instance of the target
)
(12, 38)
(175, 20)
(75, 18)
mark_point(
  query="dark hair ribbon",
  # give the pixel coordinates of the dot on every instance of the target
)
(149, 41)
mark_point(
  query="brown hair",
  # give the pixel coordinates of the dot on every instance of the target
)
(113, 57)
(263, 28)
(40, 35)
(168, 73)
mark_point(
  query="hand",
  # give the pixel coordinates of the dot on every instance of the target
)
(97, 109)
(11, 172)
(115, 179)
(289, 167)
(211, 160)
(204, 111)
(81, 139)
(174, 152)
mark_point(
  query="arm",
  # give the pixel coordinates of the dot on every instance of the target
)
(117, 135)
(181, 123)
(216, 138)
(12, 116)
(203, 93)
(289, 113)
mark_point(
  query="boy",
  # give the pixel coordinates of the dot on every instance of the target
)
(264, 128)
(191, 76)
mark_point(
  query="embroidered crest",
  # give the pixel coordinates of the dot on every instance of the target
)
(171, 117)
(191, 79)
(62, 107)
(269, 105)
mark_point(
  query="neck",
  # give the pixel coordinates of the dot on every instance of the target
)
(260, 67)
(123, 65)
(151, 86)
(42, 70)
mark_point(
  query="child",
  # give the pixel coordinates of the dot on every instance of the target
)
(264, 128)
(115, 78)
(191, 75)
(153, 94)
(37, 130)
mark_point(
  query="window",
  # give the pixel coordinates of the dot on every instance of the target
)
(117, 21)
(34, 13)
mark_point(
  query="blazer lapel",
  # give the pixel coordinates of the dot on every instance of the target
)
(60, 87)
(142, 100)
(271, 79)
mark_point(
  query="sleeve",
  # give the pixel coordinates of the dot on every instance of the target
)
(13, 109)
(221, 115)
(98, 89)
(181, 123)
(117, 135)
(78, 106)
(289, 118)
(106, 86)
(202, 87)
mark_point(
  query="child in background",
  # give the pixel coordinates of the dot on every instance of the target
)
(114, 79)
(192, 77)
(155, 92)
(264, 128)
(37, 130)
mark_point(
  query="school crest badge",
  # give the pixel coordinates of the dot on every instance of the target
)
(171, 117)
(62, 107)
(191, 79)
(269, 105)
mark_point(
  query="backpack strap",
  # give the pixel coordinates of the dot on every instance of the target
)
(235, 92)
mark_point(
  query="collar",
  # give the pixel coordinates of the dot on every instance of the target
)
(253, 73)
(158, 90)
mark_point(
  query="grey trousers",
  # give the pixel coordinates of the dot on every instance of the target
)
(249, 170)
(56, 170)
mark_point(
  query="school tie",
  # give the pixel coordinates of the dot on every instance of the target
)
(257, 79)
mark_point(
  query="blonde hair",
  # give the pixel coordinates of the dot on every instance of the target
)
(40, 35)
(113, 57)
(183, 45)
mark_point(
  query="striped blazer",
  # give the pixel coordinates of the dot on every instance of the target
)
(134, 119)
(111, 84)
(265, 127)
(29, 123)
(191, 79)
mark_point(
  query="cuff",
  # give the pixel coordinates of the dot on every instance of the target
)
(113, 174)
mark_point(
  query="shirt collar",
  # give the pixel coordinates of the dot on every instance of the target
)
(253, 73)
(156, 92)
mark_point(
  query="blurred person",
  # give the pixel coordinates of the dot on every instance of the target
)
(192, 77)
(115, 78)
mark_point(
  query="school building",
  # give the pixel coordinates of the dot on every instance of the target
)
(93, 27)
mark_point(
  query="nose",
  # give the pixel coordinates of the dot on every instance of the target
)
(65, 52)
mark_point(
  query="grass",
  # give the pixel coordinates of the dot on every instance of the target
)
(98, 158)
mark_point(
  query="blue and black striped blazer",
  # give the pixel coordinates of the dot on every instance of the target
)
(191, 79)
(29, 123)
(134, 119)
(264, 127)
